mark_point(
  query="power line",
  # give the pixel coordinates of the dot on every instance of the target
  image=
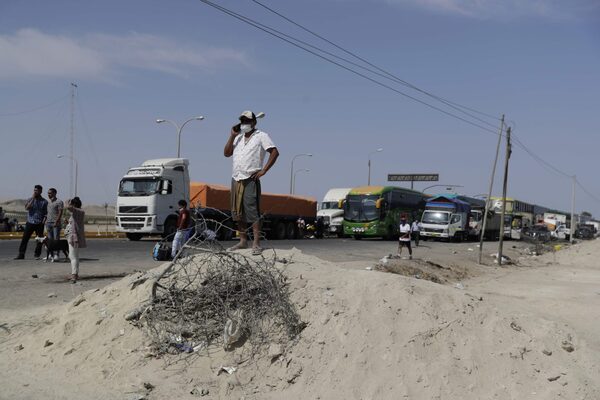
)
(36, 108)
(272, 32)
(307, 48)
(586, 191)
(539, 159)
(554, 169)
(390, 75)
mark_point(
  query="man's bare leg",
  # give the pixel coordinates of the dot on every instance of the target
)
(243, 243)
(243, 234)
(256, 232)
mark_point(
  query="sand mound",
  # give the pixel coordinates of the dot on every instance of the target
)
(370, 335)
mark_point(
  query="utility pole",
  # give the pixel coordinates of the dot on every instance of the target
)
(487, 199)
(572, 237)
(508, 151)
(72, 139)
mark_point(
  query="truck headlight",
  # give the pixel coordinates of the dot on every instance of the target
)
(445, 230)
(149, 221)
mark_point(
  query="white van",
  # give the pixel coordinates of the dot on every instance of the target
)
(329, 210)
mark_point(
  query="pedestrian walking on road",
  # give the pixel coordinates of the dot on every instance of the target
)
(404, 240)
(37, 210)
(248, 147)
(183, 227)
(75, 233)
(416, 232)
(55, 212)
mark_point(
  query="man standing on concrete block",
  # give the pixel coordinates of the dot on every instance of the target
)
(248, 147)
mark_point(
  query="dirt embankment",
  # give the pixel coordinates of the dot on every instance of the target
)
(516, 333)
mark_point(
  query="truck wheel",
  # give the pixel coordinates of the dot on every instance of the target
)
(226, 232)
(357, 237)
(290, 231)
(170, 228)
(134, 237)
(279, 231)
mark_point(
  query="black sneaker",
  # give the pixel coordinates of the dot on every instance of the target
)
(19, 257)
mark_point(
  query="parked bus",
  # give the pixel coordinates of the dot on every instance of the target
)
(374, 211)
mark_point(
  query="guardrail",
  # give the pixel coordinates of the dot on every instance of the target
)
(88, 235)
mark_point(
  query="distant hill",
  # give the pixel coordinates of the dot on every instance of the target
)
(93, 209)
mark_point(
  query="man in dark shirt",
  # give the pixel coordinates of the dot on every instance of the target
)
(183, 224)
(37, 210)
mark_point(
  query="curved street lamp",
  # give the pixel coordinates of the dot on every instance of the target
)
(292, 170)
(373, 152)
(76, 168)
(295, 173)
(179, 129)
(448, 187)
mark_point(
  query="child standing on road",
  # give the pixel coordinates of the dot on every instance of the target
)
(75, 235)
(404, 240)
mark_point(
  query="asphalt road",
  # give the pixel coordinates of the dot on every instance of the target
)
(106, 260)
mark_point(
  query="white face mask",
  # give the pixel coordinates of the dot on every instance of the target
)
(245, 128)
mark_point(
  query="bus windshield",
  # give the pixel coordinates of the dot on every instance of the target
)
(435, 217)
(360, 208)
(139, 187)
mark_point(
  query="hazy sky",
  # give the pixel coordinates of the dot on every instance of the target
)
(538, 62)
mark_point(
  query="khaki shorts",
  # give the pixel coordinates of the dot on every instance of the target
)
(249, 210)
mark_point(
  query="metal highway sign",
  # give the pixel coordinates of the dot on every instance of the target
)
(413, 177)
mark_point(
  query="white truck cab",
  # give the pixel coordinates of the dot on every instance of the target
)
(148, 197)
(445, 218)
(329, 210)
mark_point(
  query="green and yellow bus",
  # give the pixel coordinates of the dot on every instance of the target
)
(374, 211)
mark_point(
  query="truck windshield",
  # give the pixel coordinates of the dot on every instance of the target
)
(361, 208)
(435, 217)
(329, 205)
(139, 187)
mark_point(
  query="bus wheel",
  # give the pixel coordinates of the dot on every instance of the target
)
(389, 233)
(134, 237)
(357, 237)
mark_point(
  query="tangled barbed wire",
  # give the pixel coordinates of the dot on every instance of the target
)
(211, 297)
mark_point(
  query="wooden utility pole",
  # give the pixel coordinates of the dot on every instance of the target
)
(573, 224)
(508, 151)
(487, 199)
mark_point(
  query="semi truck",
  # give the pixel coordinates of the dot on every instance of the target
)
(330, 211)
(280, 213)
(148, 196)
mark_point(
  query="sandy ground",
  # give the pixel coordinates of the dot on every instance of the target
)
(522, 332)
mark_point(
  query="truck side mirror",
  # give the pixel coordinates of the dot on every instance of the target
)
(379, 203)
(341, 204)
(165, 187)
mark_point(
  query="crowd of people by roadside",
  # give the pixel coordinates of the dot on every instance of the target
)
(46, 216)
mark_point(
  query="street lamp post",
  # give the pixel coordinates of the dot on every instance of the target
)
(292, 170)
(179, 129)
(448, 187)
(76, 168)
(373, 152)
(300, 170)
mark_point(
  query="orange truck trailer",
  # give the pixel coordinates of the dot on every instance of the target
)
(280, 212)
